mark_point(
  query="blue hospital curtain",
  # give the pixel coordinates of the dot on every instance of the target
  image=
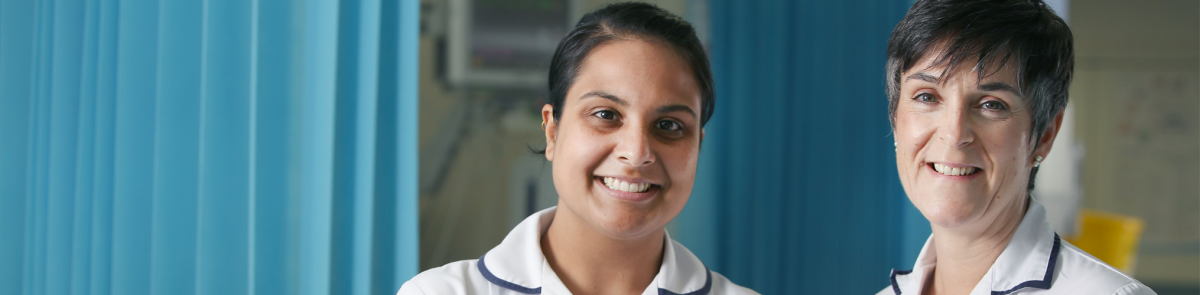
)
(207, 147)
(797, 191)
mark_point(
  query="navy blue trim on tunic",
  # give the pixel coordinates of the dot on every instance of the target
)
(703, 291)
(483, 270)
(1044, 283)
(502, 283)
(896, 287)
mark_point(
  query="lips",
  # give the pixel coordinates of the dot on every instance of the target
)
(953, 171)
(624, 186)
(633, 190)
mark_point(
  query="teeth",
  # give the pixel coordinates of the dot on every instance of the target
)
(954, 171)
(617, 184)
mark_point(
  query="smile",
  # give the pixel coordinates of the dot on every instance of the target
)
(953, 171)
(620, 185)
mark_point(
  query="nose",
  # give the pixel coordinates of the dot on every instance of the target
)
(956, 128)
(633, 148)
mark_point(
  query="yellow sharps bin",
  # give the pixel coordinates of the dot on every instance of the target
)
(1110, 237)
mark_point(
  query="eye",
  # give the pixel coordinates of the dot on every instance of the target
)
(605, 114)
(668, 125)
(993, 105)
(925, 97)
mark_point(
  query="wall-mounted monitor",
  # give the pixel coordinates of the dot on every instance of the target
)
(504, 43)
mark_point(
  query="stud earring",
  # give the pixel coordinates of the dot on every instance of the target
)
(1037, 162)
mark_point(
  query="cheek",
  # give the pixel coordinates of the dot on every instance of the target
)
(681, 163)
(911, 134)
(1007, 143)
(1008, 154)
(577, 153)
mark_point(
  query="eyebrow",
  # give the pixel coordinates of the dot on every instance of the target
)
(994, 86)
(605, 95)
(677, 108)
(923, 77)
(622, 102)
(1001, 86)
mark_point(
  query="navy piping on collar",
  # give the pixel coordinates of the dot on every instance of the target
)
(513, 286)
(704, 290)
(1045, 282)
(896, 287)
(502, 283)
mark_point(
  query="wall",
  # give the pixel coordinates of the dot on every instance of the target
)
(1136, 100)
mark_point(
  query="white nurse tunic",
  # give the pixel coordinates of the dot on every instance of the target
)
(1035, 261)
(517, 266)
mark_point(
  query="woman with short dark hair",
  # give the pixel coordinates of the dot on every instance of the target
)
(630, 92)
(976, 92)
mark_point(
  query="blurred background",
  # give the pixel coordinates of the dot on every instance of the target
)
(340, 147)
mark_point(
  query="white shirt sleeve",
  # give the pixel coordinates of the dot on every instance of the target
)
(1134, 288)
(410, 288)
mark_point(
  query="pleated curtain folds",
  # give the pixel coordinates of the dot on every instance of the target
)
(796, 189)
(208, 147)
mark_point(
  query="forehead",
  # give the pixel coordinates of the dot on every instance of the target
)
(636, 69)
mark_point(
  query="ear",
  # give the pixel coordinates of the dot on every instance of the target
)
(551, 127)
(1047, 140)
(701, 136)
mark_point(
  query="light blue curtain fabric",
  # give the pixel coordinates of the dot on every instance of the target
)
(208, 147)
(797, 191)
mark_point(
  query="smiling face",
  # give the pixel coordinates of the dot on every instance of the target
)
(963, 145)
(625, 148)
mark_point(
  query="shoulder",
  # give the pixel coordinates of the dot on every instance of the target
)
(683, 267)
(1135, 288)
(1082, 271)
(886, 291)
(722, 286)
(458, 277)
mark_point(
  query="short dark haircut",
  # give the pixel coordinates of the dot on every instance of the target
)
(629, 21)
(993, 32)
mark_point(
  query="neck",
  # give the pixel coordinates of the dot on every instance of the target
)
(590, 262)
(964, 255)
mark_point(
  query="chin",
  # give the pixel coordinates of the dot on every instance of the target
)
(627, 223)
(949, 212)
(949, 219)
